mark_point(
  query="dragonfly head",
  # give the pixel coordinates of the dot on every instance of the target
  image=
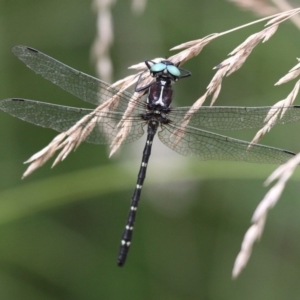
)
(165, 69)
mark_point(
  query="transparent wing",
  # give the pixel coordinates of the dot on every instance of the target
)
(81, 85)
(61, 118)
(210, 146)
(96, 91)
(231, 117)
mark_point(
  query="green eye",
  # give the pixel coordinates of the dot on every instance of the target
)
(165, 68)
(173, 70)
(157, 67)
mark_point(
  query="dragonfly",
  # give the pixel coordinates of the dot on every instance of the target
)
(183, 129)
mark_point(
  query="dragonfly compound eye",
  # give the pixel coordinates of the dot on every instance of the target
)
(159, 67)
(174, 71)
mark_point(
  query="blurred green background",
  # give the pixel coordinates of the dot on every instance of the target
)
(60, 229)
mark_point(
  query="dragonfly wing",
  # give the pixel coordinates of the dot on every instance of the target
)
(206, 145)
(61, 118)
(231, 117)
(81, 85)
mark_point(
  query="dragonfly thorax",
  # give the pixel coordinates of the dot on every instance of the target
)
(160, 94)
